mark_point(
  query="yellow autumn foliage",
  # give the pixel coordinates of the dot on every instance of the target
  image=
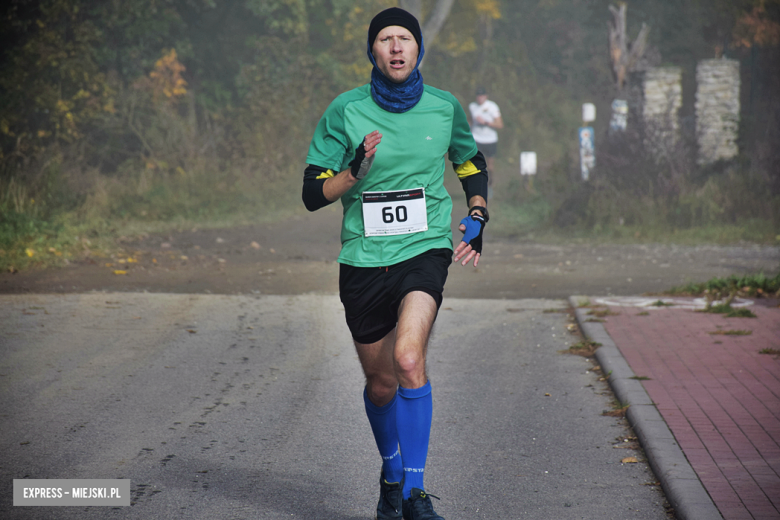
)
(166, 79)
(490, 8)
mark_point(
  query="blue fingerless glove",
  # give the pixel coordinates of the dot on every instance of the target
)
(473, 234)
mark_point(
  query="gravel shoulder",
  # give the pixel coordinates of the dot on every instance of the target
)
(299, 257)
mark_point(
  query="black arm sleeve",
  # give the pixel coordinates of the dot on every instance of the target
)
(313, 179)
(476, 183)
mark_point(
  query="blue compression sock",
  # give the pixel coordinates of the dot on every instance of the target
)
(415, 413)
(383, 424)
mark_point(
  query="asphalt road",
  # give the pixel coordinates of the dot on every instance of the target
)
(237, 406)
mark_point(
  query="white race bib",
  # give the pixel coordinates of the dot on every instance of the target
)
(394, 212)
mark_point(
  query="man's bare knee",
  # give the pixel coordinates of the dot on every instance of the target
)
(381, 387)
(410, 370)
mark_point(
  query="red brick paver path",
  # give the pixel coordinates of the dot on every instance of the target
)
(719, 396)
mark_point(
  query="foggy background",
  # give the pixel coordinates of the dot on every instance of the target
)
(134, 114)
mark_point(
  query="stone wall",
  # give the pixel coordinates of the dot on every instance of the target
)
(661, 102)
(717, 109)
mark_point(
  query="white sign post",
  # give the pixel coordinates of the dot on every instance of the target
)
(528, 168)
(527, 163)
(588, 112)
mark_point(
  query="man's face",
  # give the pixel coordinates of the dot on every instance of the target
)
(481, 98)
(395, 51)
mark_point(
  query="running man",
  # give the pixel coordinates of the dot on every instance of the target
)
(380, 149)
(485, 120)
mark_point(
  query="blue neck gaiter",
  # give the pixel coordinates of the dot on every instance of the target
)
(396, 97)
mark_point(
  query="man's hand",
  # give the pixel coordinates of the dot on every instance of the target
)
(364, 155)
(471, 245)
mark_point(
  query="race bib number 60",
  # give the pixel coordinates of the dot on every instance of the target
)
(394, 212)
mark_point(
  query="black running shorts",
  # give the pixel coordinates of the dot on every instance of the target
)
(371, 295)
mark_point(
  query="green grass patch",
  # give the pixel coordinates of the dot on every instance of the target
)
(661, 303)
(729, 311)
(512, 219)
(118, 212)
(640, 378)
(770, 351)
(753, 231)
(721, 308)
(733, 332)
(740, 313)
(754, 285)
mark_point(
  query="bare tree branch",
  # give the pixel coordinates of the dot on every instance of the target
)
(624, 60)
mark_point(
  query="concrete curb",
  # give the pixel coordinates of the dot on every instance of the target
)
(683, 489)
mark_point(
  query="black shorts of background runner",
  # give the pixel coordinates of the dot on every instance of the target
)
(488, 149)
(371, 295)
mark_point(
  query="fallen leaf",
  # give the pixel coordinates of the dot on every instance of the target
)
(547, 395)
(119, 271)
(629, 460)
(272, 250)
(255, 245)
(29, 252)
(220, 240)
(191, 331)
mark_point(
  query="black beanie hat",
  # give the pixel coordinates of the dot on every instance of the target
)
(394, 16)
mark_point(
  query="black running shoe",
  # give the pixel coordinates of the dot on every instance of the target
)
(419, 507)
(391, 497)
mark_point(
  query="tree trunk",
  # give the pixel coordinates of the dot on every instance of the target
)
(624, 59)
(436, 20)
(414, 7)
(434, 23)
(485, 31)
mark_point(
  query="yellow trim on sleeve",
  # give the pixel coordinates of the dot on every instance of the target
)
(466, 169)
(326, 175)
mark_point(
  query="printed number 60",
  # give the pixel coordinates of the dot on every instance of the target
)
(400, 214)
